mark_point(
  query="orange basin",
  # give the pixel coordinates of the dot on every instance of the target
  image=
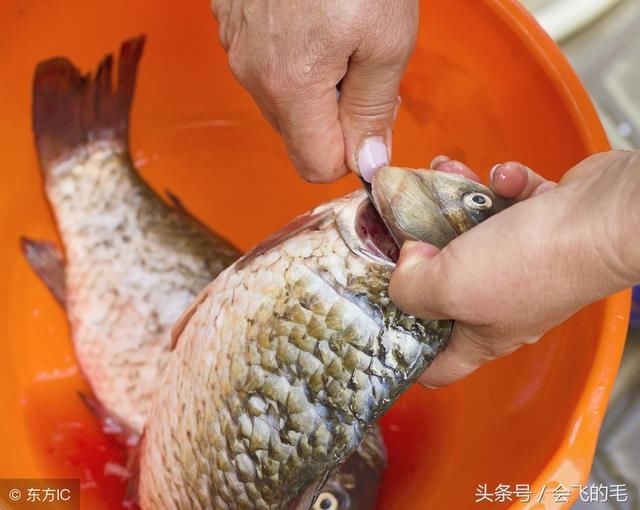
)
(484, 85)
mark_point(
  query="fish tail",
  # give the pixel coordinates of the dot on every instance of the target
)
(71, 110)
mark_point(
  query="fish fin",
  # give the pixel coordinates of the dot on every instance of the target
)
(133, 466)
(114, 426)
(177, 203)
(110, 424)
(46, 260)
(182, 321)
(71, 110)
(372, 449)
(308, 496)
(179, 206)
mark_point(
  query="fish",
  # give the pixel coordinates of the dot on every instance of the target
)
(287, 359)
(132, 262)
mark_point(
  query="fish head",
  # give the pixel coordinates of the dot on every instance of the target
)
(348, 492)
(431, 206)
(355, 486)
(418, 205)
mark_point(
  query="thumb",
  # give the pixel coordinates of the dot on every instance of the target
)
(425, 281)
(369, 103)
(428, 283)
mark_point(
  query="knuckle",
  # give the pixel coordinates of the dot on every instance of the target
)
(317, 176)
(315, 172)
(272, 82)
(216, 7)
(374, 111)
(237, 64)
(484, 347)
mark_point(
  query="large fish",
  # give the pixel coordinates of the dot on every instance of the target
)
(133, 263)
(285, 361)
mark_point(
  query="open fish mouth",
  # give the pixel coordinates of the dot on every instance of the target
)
(374, 233)
(421, 205)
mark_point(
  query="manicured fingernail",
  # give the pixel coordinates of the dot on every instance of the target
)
(438, 160)
(414, 253)
(372, 155)
(496, 173)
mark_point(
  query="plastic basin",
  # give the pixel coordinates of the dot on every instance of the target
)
(485, 85)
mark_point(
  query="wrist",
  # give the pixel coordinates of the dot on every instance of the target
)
(609, 214)
(624, 225)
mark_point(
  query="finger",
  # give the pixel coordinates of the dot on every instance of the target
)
(419, 263)
(458, 359)
(367, 109)
(517, 181)
(444, 164)
(419, 286)
(309, 124)
(369, 98)
(466, 351)
(449, 284)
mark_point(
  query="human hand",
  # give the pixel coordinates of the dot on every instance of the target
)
(523, 271)
(291, 54)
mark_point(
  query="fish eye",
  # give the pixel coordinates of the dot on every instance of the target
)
(326, 501)
(478, 201)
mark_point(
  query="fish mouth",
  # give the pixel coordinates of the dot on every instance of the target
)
(374, 235)
(411, 205)
(420, 205)
(399, 200)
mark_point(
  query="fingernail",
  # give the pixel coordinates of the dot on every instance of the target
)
(414, 253)
(372, 155)
(437, 161)
(493, 173)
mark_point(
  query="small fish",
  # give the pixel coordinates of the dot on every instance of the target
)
(284, 362)
(133, 263)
